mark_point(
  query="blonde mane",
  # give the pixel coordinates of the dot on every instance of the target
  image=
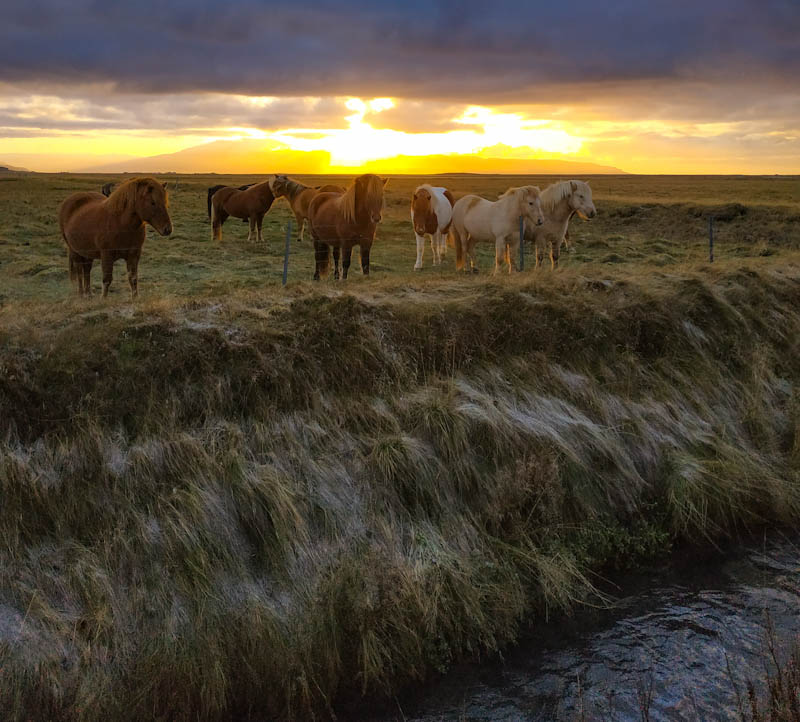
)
(372, 193)
(557, 192)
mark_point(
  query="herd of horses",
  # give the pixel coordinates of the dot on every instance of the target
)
(111, 225)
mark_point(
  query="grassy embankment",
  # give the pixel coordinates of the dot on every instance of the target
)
(230, 498)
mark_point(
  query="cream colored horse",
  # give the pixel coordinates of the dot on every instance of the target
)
(560, 201)
(476, 219)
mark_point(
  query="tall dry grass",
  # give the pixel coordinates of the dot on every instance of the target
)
(262, 505)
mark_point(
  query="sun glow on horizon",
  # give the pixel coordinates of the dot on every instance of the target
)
(361, 142)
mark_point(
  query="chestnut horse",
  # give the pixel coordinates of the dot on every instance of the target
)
(214, 189)
(251, 204)
(344, 220)
(299, 197)
(94, 226)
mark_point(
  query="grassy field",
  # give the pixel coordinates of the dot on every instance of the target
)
(234, 499)
(653, 221)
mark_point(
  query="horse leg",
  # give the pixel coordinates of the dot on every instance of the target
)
(347, 252)
(365, 260)
(301, 226)
(436, 259)
(336, 252)
(252, 228)
(132, 263)
(499, 253)
(107, 264)
(322, 257)
(555, 250)
(539, 255)
(512, 253)
(438, 240)
(470, 252)
(420, 251)
(86, 274)
(259, 222)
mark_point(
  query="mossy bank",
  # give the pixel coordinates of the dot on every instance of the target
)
(259, 504)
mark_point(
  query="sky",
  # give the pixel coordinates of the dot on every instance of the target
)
(708, 86)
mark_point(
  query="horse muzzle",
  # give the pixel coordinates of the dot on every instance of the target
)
(166, 230)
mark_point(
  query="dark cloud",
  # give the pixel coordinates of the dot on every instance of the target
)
(464, 51)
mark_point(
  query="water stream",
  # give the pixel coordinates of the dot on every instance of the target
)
(681, 640)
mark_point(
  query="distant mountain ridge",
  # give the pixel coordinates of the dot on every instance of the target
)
(255, 156)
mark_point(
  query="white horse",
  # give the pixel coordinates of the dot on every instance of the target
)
(560, 201)
(476, 219)
(431, 212)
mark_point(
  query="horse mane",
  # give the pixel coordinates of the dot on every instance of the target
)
(293, 188)
(123, 196)
(555, 193)
(373, 192)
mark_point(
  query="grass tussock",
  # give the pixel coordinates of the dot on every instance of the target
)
(262, 506)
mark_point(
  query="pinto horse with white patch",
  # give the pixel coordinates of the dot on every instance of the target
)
(431, 213)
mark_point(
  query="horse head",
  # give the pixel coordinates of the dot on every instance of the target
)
(531, 204)
(369, 197)
(151, 204)
(278, 184)
(421, 209)
(581, 200)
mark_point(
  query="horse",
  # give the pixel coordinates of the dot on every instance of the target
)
(93, 226)
(252, 204)
(344, 220)
(431, 213)
(477, 219)
(560, 201)
(214, 189)
(107, 188)
(299, 197)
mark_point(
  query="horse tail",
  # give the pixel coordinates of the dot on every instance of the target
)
(74, 269)
(216, 226)
(454, 239)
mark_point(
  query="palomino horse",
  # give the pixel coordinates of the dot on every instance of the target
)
(476, 219)
(214, 189)
(431, 213)
(299, 197)
(251, 204)
(94, 226)
(560, 201)
(344, 220)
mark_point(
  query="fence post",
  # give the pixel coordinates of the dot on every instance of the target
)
(286, 252)
(711, 239)
(521, 243)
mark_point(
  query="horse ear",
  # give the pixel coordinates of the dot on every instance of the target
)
(384, 181)
(573, 185)
(164, 185)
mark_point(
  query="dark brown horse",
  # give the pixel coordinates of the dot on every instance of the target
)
(94, 226)
(252, 204)
(344, 220)
(299, 197)
(214, 189)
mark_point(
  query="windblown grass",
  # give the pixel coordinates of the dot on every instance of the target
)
(260, 503)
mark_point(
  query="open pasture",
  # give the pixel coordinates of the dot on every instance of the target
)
(643, 221)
